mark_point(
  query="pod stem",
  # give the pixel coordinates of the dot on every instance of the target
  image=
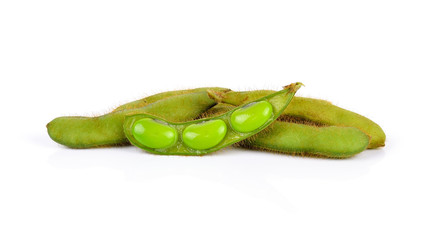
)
(216, 95)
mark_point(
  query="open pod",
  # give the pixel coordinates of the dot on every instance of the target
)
(203, 136)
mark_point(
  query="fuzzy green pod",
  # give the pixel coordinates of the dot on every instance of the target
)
(204, 136)
(314, 110)
(107, 130)
(302, 139)
(307, 140)
(159, 96)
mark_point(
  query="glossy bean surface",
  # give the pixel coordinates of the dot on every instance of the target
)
(154, 134)
(205, 135)
(251, 117)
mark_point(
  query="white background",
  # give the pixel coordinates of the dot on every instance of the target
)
(87, 57)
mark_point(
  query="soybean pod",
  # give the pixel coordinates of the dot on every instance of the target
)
(107, 130)
(319, 112)
(307, 140)
(159, 96)
(203, 136)
(302, 139)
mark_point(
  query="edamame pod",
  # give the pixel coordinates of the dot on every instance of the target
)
(159, 96)
(207, 135)
(314, 110)
(107, 130)
(302, 139)
(306, 140)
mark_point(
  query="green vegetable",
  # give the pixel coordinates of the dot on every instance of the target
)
(317, 111)
(154, 134)
(302, 139)
(245, 119)
(156, 97)
(107, 130)
(205, 135)
(208, 135)
(307, 140)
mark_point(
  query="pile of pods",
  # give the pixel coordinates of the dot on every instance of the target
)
(204, 120)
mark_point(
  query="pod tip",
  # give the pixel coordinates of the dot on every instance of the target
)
(294, 86)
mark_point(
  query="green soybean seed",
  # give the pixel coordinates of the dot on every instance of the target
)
(251, 117)
(107, 130)
(318, 111)
(154, 134)
(301, 139)
(203, 136)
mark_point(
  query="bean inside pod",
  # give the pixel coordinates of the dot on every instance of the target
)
(203, 136)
